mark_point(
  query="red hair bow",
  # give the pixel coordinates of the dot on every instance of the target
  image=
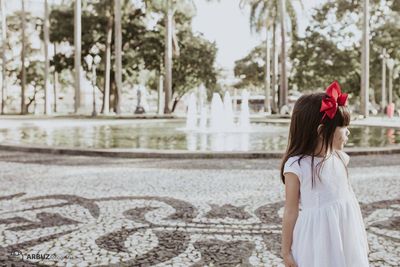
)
(334, 99)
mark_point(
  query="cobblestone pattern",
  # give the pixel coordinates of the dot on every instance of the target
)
(100, 215)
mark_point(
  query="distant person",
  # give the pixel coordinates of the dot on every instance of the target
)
(322, 221)
(390, 110)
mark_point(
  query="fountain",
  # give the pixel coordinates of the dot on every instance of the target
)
(217, 127)
(217, 114)
(229, 118)
(203, 119)
(244, 120)
(191, 117)
(221, 118)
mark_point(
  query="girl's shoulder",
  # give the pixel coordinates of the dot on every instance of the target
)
(294, 165)
(299, 159)
(343, 156)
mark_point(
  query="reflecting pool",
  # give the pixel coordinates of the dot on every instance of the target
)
(168, 135)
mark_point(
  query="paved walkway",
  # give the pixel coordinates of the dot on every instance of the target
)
(378, 121)
(83, 211)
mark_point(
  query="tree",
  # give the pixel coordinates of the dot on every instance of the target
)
(263, 20)
(3, 52)
(30, 75)
(77, 52)
(107, 64)
(264, 15)
(333, 26)
(98, 33)
(23, 70)
(118, 55)
(318, 61)
(365, 61)
(250, 68)
(47, 109)
(168, 8)
(142, 48)
(284, 94)
(195, 64)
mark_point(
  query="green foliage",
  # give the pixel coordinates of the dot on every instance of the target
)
(195, 64)
(94, 25)
(142, 48)
(250, 69)
(317, 62)
(264, 13)
(33, 57)
(331, 49)
(328, 53)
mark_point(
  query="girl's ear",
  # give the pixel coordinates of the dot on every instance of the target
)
(319, 129)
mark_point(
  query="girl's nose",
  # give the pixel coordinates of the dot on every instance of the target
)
(348, 132)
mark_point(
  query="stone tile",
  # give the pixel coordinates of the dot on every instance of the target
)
(108, 212)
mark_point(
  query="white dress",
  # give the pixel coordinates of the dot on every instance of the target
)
(329, 231)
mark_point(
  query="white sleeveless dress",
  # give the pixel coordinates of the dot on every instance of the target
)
(329, 231)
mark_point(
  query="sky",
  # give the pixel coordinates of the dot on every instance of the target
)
(226, 24)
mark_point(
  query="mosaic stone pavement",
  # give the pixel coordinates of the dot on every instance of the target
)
(81, 211)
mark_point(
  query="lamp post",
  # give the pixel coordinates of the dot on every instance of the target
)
(390, 65)
(364, 92)
(92, 63)
(384, 56)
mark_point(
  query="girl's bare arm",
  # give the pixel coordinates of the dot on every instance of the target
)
(292, 192)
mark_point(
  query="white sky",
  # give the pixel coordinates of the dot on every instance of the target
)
(226, 24)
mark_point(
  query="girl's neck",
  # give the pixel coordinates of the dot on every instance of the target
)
(320, 151)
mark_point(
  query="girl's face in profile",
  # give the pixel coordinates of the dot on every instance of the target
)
(340, 137)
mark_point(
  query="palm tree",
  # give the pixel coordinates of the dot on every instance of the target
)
(365, 62)
(55, 81)
(118, 54)
(77, 45)
(23, 71)
(267, 14)
(168, 8)
(47, 108)
(275, 65)
(260, 18)
(3, 56)
(106, 95)
(284, 89)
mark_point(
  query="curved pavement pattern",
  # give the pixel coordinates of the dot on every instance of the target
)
(83, 211)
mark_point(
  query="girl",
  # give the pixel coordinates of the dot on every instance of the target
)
(322, 221)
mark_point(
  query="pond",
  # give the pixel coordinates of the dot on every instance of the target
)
(169, 135)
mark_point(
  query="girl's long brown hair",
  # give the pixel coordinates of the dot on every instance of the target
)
(303, 132)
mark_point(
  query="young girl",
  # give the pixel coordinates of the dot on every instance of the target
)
(322, 221)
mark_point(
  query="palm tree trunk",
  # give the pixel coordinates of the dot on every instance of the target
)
(160, 94)
(106, 95)
(3, 55)
(283, 89)
(274, 69)
(118, 56)
(47, 108)
(78, 46)
(267, 100)
(23, 72)
(383, 93)
(168, 58)
(364, 95)
(390, 88)
(55, 82)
